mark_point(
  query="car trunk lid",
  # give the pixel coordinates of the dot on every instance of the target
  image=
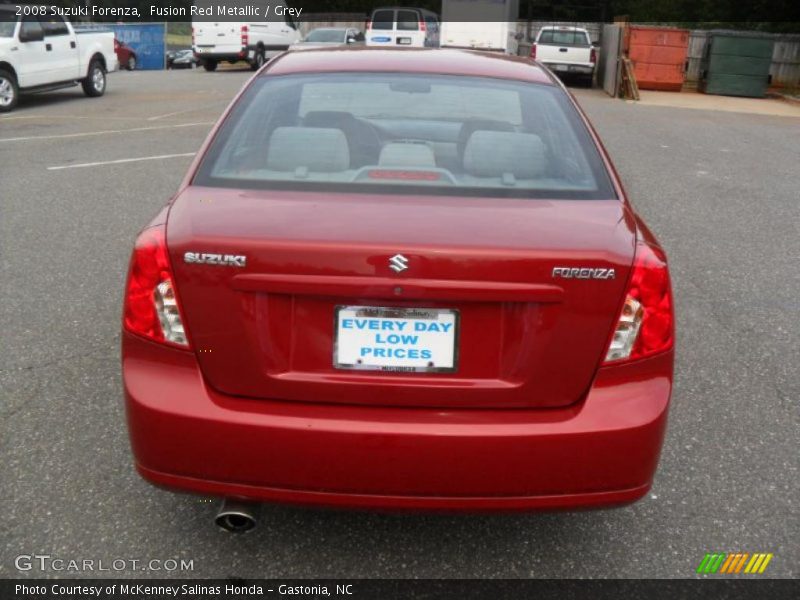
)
(521, 276)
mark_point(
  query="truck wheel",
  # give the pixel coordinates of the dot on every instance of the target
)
(210, 65)
(258, 60)
(9, 91)
(95, 83)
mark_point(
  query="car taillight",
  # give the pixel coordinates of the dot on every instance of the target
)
(193, 44)
(646, 322)
(422, 25)
(151, 304)
(245, 35)
(593, 56)
(368, 24)
(533, 51)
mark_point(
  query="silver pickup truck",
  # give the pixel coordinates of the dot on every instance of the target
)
(39, 53)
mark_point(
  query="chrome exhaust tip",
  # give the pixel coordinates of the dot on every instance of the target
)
(236, 516)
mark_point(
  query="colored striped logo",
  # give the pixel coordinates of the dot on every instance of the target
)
(734, 563)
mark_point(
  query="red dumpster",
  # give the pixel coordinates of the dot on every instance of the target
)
(658, 55)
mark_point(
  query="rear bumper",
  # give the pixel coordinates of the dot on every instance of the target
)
(223, 56)
(570, 68)
(600, 452)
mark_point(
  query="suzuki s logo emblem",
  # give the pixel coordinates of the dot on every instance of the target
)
(398, 263)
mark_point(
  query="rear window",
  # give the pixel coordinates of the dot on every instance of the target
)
(53, 26)
(407, 20)
(383, 19)
(564, 38)
(368, 132)
(326, 35)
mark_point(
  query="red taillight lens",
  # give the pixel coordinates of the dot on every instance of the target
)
(646, 324)
(245, 35)
(533, 51)
(593, 56)
(367, 24)
(151, 304)
(193, 44)
(422, 25)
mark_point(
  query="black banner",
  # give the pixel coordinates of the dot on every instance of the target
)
(758, 14)
(358, 589)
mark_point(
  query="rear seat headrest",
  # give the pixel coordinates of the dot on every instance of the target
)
(497, 153)
(312, 148)
(407, 154)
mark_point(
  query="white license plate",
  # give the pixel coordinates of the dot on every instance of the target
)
(396, 339)
(560, 68)
(404, 41)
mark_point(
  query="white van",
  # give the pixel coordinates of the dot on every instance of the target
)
(403, 26)
(254, 42)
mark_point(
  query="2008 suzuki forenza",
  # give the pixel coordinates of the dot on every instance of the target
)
(400, 279)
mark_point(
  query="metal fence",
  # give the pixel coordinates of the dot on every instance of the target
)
(785, 68)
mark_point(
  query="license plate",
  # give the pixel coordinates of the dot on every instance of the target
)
(405, 41)
(417, 340)
(560, 68)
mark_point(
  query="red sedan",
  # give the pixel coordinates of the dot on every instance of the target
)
(125, 55)
(404, 279)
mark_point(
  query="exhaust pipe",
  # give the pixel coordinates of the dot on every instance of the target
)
(237, 516)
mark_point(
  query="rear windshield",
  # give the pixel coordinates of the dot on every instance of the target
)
(564, 38)
(326, 35)
(368, 132)
(383, 19)
(407, 20)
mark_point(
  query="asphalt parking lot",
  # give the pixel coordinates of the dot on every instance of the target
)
(721, 191)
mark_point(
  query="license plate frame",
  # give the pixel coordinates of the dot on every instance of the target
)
(343, 355)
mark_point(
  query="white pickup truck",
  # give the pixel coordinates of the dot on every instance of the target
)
(565, 51)
(39, 53)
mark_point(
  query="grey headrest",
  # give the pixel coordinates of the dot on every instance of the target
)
(314, 148)
(495, 153)
(407, 154)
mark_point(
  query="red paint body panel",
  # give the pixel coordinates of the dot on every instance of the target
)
(529, 421)
(409, 60)
(123, 53)
(601, 451)
(266, 330)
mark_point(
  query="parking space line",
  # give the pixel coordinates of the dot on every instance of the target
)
(119, 161)
(70, 117)
(172, 114)
(103, 132)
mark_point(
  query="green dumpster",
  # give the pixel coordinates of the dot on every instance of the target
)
(737, 64)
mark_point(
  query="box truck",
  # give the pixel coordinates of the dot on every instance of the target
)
(480, 24)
